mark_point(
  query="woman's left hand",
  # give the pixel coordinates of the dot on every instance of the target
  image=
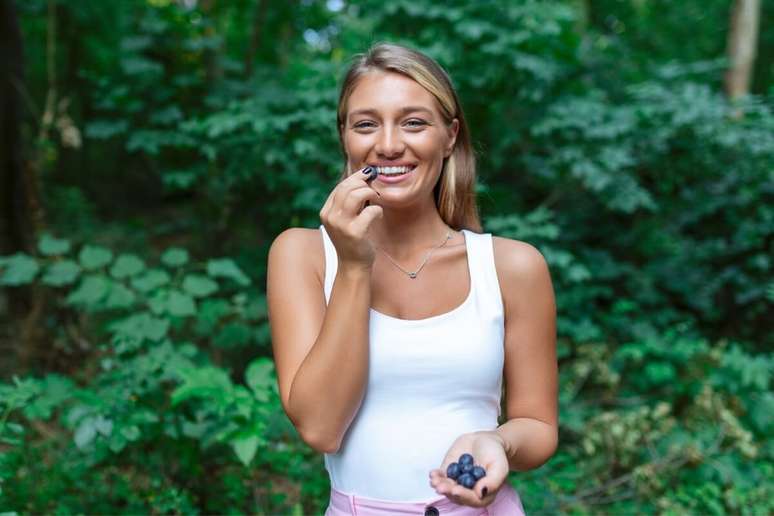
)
(488, 451)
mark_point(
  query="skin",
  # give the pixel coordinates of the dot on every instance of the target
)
(409, 228)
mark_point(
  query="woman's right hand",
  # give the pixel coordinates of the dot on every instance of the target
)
(347, 221)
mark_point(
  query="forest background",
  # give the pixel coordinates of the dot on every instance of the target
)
(153, 149)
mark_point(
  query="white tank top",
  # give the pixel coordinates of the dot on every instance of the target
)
(429, 381)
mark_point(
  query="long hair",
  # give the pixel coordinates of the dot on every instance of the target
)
(454, 194)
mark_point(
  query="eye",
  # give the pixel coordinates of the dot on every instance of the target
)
(415, 122)
(362, 125)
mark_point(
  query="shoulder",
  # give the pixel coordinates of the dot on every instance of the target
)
(515, 257)
(300, 244)
(522, 269)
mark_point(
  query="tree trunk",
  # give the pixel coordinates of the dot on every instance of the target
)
(212, 70)
(742, 40)
(22, 215)
(15, 220)
(255, 36)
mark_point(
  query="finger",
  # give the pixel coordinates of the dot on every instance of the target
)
(445, 486)
(465, 496)
(353, 203)
(363, 222)
(340, 191)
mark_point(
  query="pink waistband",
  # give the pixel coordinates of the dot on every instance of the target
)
(506, 503)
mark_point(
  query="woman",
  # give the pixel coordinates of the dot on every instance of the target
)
(392, 363)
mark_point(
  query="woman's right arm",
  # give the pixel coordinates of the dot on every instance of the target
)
(321, 354)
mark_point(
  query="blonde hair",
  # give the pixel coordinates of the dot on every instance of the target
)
(454, 195)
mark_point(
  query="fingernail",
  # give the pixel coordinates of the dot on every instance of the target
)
(484, 492)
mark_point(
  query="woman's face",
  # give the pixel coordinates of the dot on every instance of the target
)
(393, 121)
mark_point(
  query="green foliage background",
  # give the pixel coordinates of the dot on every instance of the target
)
(189, 134)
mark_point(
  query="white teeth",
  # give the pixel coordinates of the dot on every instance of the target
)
(393, 170)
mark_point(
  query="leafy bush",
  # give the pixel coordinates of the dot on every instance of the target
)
(152, 419)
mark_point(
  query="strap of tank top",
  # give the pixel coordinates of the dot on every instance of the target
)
(481, 260)
(485, 275)
(331, 263)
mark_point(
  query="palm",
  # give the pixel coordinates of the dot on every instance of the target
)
(487, 451)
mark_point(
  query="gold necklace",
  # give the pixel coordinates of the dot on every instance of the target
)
(413, 275)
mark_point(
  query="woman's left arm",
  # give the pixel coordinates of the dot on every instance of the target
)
(530, 435)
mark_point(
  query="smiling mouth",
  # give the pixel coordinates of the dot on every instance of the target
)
(395, 171)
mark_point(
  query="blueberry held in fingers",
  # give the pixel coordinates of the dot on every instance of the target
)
(453, 471)
(371, 172)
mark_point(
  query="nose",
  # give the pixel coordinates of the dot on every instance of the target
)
(390, 142)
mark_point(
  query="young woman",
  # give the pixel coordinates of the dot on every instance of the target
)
(397, 325)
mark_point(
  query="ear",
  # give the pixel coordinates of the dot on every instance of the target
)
(453, 128)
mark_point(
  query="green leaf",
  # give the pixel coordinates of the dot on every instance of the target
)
(226, 268)
(259, 377)
(132, 433)
(49, 246)
(120, 297)
(210, 312)
(86, 432)
(142, 325)
(91, 291)
(150, 280)
(167, 116)
(174, 257)
(660, 372)
(199, 286)
(104, 129)
(94, 257)
(117, 442)
(180, 305)
(61, 273)
(103, 425)
(245, 448)
(203, 382)
(54, 391)
(134, 65)
(234, 334)
(19, 269)
(257, 309)
(127, 265)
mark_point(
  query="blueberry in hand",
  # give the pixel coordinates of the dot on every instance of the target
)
(466, 468)
(467, 480)
(453, 471)
(466, 458)
(478, 472)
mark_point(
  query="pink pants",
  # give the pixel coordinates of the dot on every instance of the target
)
(506, 503)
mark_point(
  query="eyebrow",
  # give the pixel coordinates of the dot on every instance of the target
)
(407, 109)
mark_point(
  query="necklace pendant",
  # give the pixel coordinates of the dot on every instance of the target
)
(412, 275)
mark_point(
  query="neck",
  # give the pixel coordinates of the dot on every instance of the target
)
(405, 231)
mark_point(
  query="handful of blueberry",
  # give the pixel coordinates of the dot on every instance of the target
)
(464, 472)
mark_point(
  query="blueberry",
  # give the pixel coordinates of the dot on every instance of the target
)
(453, 471)
(466, 468)
(478, 472)
(467, 480)
(466, 458)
